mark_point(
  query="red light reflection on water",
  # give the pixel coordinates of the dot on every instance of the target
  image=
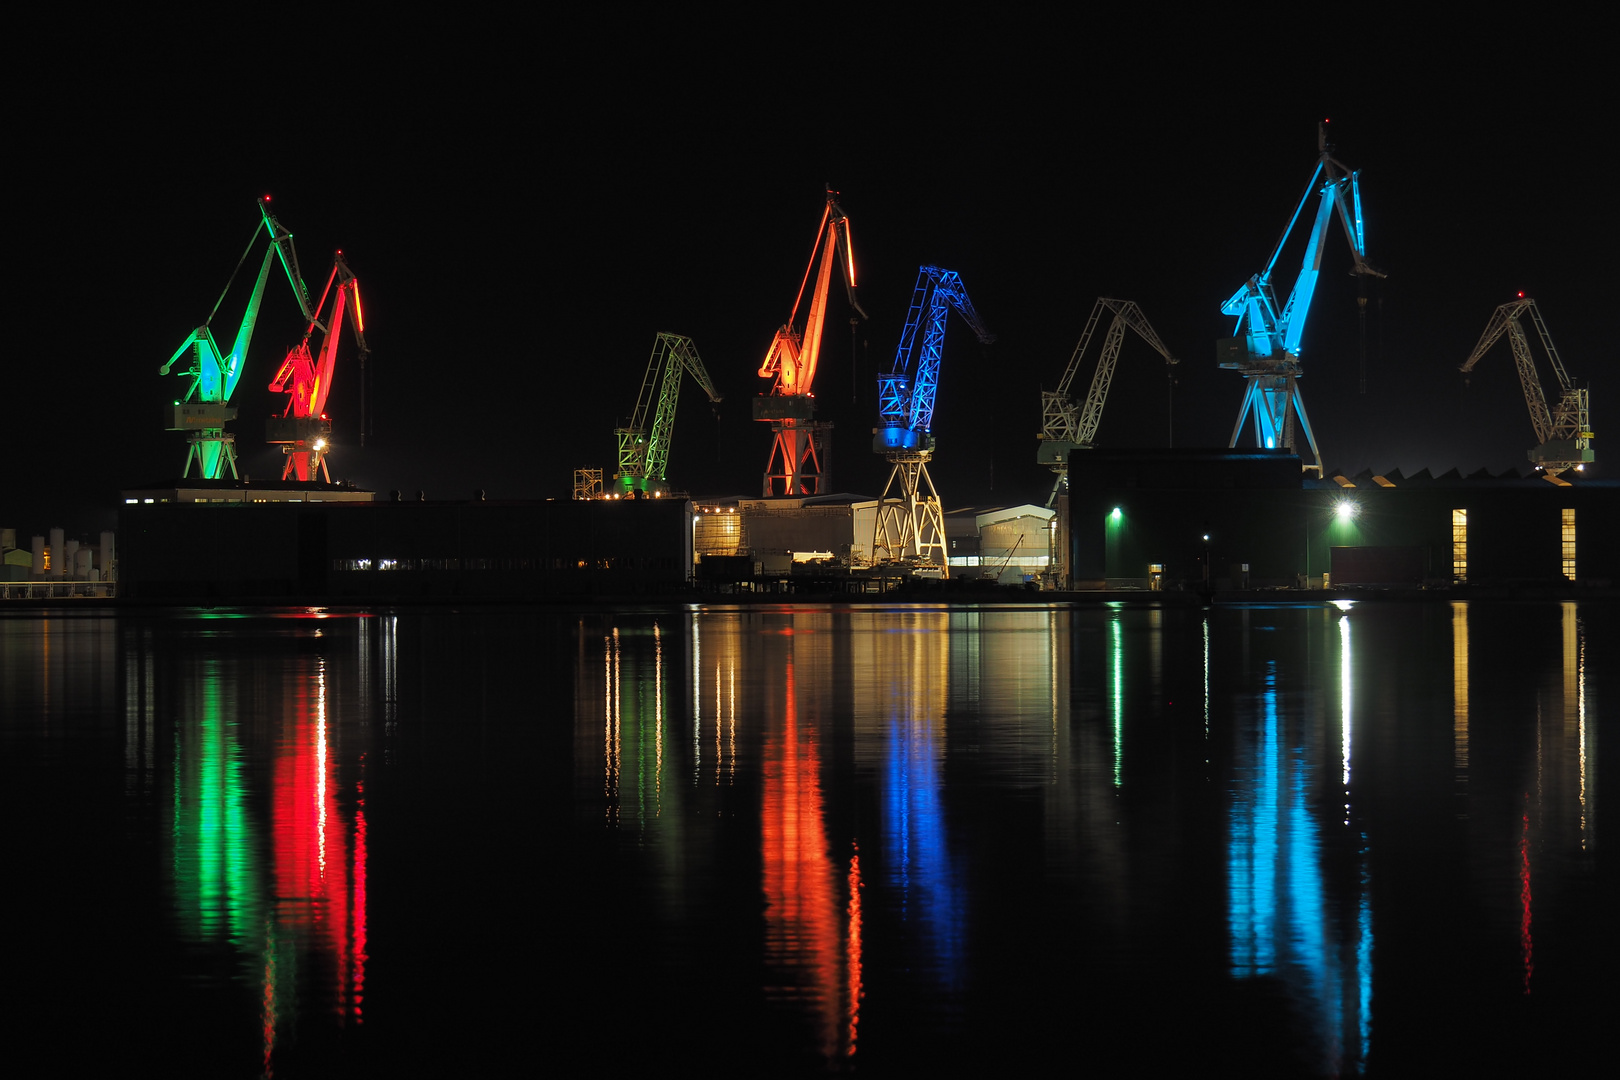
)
(802, 944)
(854, 989)
(318, 867)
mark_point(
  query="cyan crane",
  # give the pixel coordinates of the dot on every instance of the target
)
(910, 527)
(644, 446)
(1265, 345)
(1564, 431)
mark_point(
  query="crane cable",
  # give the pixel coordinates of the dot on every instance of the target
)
(251, 241)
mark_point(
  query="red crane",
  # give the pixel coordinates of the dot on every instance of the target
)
(303, 430)
(799, 463)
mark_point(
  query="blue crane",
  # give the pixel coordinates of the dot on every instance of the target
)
(910, 526)
(1265, 345)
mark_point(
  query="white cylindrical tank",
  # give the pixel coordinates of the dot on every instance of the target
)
(58, 542)
(107, 555)
(83, 557)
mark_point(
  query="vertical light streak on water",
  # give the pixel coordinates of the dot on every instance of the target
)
(1253, 852)
(1364, 951)
(1206, 682)
(917, 661)
(360, 854)
(391, 668)
(697, 701)
(1459, 700)
(854, 991)
(1156, 647)
(719, 714)
(1344, 708)
(802, 931)
(1116, 683)
(1585, 815)
(658, 721)
(731, 728)
(320, 761)
(1052, 687)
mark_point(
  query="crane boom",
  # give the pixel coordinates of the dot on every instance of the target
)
(214, 374)
(303, 430)
(911, 526)
(1267, 339)
(1066, 428)
(1563, 431)
(799, 464)
(644, 447)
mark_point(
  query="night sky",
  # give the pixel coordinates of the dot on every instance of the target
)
(527, 204)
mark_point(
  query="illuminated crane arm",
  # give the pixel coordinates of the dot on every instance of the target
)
(644, 446)
(791, 358)
(906, 396)
(307, 380)
(1272, 332)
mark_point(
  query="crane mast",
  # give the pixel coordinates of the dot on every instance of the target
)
(910, 524)
(1265, 346)
(1066, 427)
(213, 372)
(1563, 431)
(644, 446)
(303, 430)
(800, 463)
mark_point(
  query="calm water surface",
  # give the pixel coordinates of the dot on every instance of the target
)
(1293, 840)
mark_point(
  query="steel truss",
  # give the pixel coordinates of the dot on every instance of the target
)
(1066, 428)
(644, 445)
(910, 527)
(1563, 431)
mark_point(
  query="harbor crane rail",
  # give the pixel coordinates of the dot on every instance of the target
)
(644, 441)
(910, 525)
(1563, 431)
(800, 461)
(1066, 427)
(214, 373)
(1265, 346)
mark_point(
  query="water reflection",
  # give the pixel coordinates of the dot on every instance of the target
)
(289, 901)
(903, 682)
(873, 839)
(1283, 924)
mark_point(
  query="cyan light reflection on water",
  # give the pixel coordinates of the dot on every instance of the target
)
(1282, 922)
(836, 838)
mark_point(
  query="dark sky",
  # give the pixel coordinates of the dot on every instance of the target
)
(526, 204)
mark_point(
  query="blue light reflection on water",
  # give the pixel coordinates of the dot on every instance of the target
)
(975, 860)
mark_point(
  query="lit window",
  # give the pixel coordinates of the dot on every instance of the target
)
(1459, 545)
(1569, 543)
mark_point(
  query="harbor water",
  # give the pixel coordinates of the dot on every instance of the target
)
(1296, 840)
